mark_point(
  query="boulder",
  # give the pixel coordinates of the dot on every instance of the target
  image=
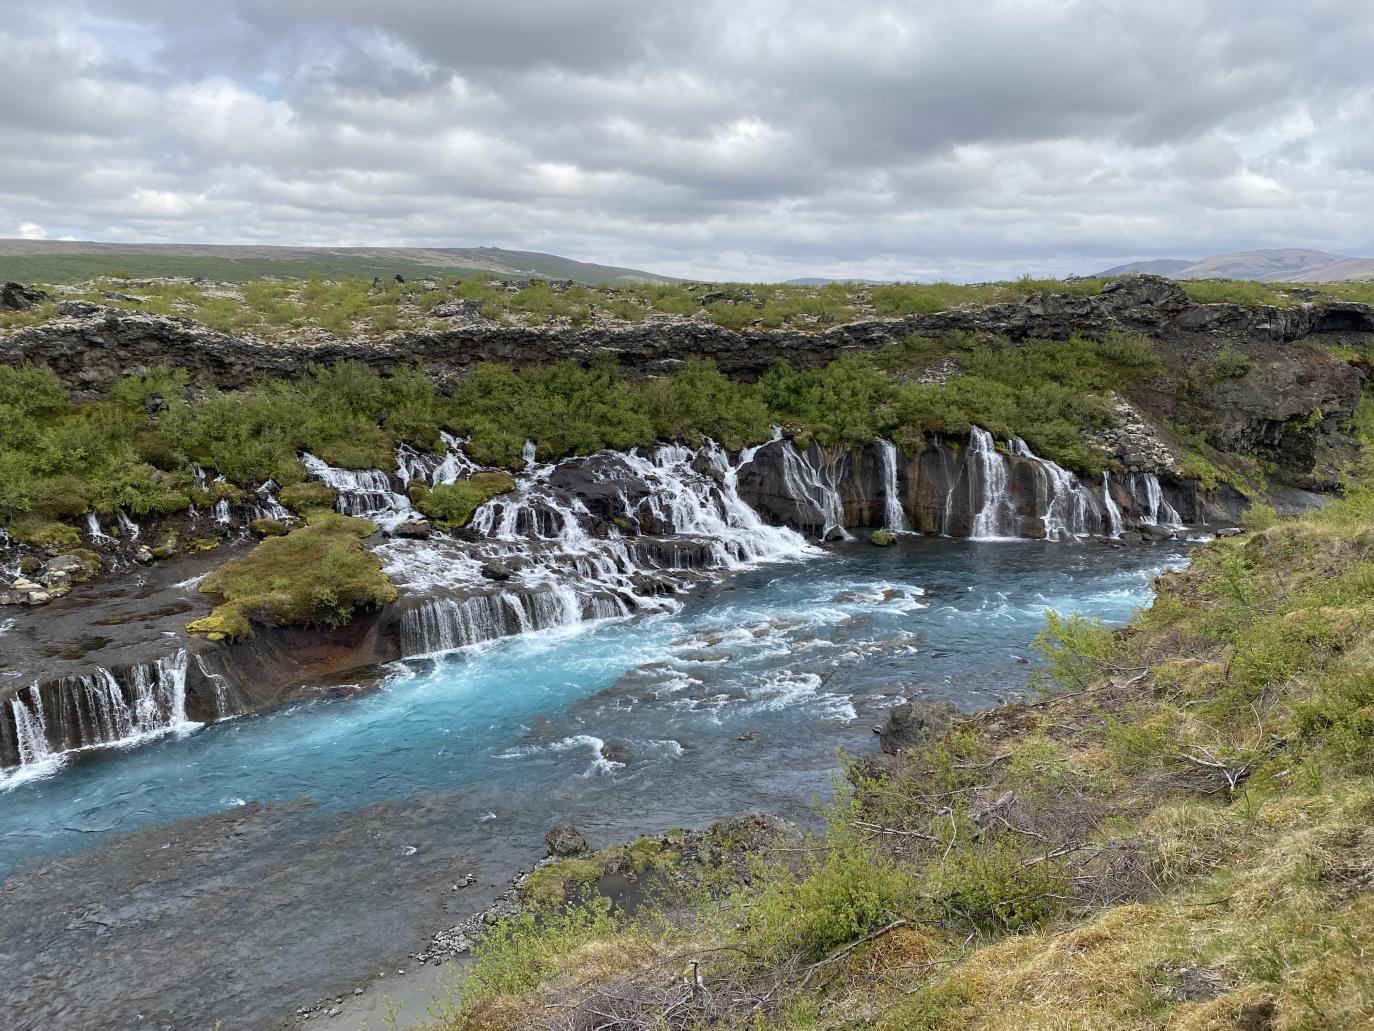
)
(417, 529)
(1156, 532)
(17, 297)
(270, 527)
(882, 538)
(496, 569)
(915, 722)
(566, 841)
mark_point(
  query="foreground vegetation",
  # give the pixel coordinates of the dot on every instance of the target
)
(1179, 833)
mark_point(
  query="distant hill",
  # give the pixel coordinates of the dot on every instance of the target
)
(1171, 267)
(1267, 266)
(58, 261)
(822, 281)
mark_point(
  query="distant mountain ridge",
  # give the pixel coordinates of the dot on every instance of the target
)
(1283, 265)
(65, 261)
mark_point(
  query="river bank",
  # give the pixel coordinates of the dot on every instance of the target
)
(252, 911)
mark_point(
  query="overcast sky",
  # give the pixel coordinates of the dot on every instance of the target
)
(756, 139)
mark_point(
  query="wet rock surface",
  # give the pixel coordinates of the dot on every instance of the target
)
(915, 722)
(220, 921)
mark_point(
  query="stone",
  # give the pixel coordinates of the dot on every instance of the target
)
(1230, 531)
(495, 569)
(882, 538)
(415, 529)
(566, 841)
(1156, 532)
(270, 527)
(915, 722)
(17, 297)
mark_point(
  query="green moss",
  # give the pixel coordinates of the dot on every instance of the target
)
(317, 575)
(454, 503)
(882, 538)
(270, 527)
(301, 497)
(558, 882)
(51, 535)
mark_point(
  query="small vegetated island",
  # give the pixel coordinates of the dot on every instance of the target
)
(1175, 832)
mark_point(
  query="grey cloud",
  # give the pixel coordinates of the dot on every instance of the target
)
(746, 138)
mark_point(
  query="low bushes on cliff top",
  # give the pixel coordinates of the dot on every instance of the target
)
(316, 575)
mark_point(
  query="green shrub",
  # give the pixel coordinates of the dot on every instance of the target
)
(1077, 650)
(841, 892)
(516, 953)
(1259, 516)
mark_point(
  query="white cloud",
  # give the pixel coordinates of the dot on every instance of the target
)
(747, 138)
(32, 231)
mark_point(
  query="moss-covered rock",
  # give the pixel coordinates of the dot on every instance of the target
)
(214, 492)
(454, 503)
(316, 575)
(882, 538)
(270, 527)
(44, 534)
(302, 497)
(167, 547)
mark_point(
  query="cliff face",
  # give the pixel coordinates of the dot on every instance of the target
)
(1291, 382)
(90, 346)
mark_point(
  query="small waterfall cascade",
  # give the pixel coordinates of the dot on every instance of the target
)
(94, 532)
(362, 492)
(30, 728)
(220, 683)
(266, 505)
(96, 709)
(894, 518)
(127, 526)
(807, 475)
(568, 542)
(1154, 509)
(995, 516)
(450, 467)
(1115, 524)
(1071, 510)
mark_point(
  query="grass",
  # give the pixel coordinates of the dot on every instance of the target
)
(313, 576)
(281, 300)
(1177, 834)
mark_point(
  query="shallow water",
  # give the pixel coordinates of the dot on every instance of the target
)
(628, 725)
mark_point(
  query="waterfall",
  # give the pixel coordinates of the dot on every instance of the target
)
(267, 506)
(30, 728)
(816, 484)
(220, 683)
(994, 517)
(451, 467)
(223, 515)
(1155, 510)
(97, 709)
(894, 518)
(439, 625)
(362, 492)
(567, 564)
(1114, 522)
(126, 525)
(1068, 503)
(93, 530)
